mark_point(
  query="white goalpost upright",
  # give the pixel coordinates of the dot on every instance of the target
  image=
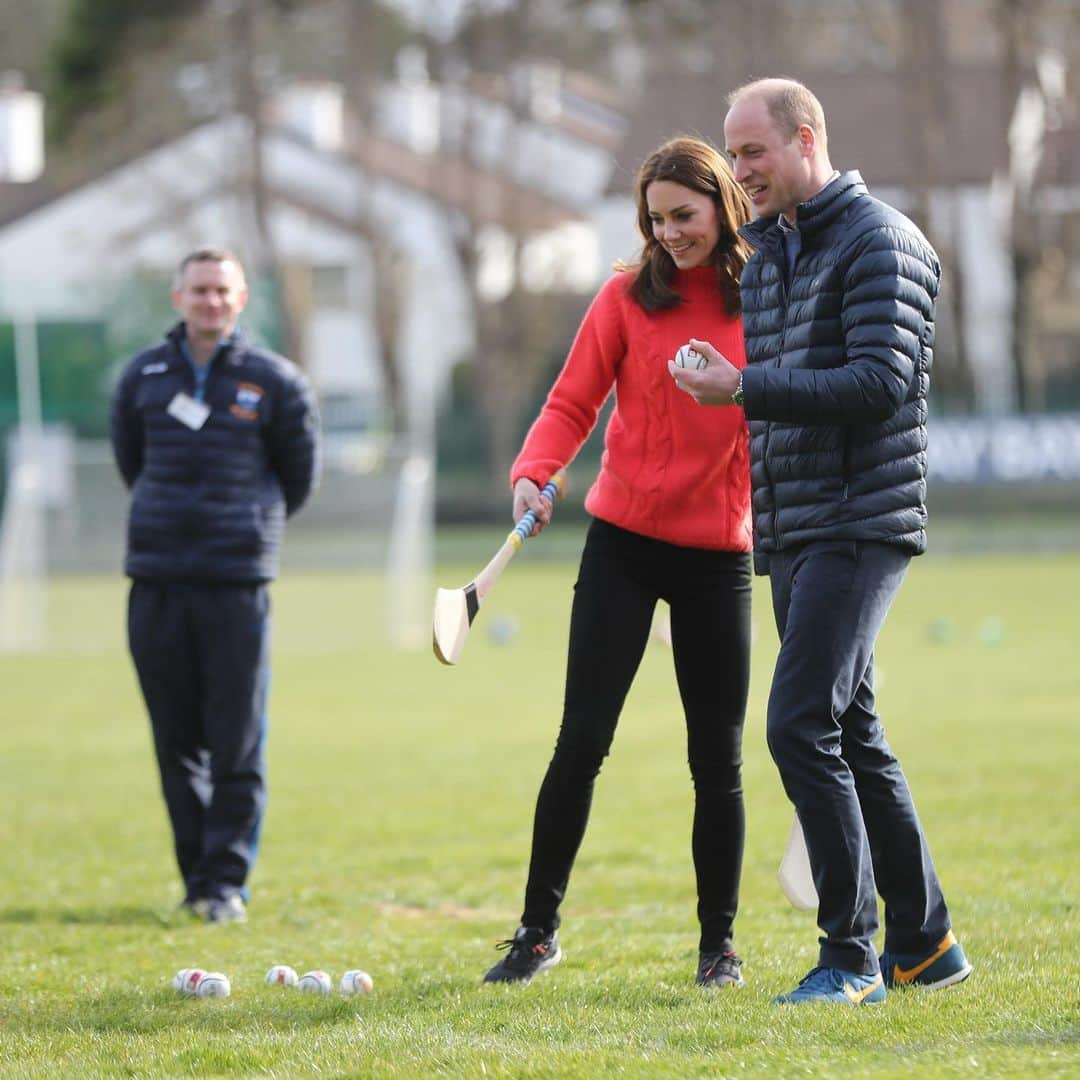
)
(410, 553)
(22, 525)
(411, 543)
(410, 560)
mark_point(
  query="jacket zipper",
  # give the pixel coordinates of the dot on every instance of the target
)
(768, 429)
(845, 466)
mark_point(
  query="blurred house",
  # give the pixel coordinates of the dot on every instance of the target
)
(346, 210)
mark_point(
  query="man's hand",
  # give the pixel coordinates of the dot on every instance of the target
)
(527, 497)
(714, 385)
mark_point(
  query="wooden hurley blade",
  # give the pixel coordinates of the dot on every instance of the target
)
(795, 876)
(454, 612)
(455, 609)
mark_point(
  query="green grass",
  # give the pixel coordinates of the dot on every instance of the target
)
(397, 837)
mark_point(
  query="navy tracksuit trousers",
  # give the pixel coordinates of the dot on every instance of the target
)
(830, 600)
(202, 653)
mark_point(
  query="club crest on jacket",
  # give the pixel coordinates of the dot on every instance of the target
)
(246, 405)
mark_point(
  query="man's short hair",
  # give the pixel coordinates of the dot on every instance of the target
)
(790, 105)
(208, 254)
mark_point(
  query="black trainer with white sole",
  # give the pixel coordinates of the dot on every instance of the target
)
(227, 909)
(719, 969)
(530, 951)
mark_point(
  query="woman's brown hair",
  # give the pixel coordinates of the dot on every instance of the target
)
(698, 165)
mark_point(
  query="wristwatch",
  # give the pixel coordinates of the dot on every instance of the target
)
(737, 397)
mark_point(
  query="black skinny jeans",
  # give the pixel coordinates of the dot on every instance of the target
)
(621, 578)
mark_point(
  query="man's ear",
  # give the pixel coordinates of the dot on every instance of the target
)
(807, 140)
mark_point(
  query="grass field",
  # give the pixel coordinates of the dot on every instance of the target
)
(396, 841)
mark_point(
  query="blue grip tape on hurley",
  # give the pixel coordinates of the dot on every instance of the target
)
(525, 526)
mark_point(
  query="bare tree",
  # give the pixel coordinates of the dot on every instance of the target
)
(362, 33)
(924, 70)
(1017, 21)
(486, 64)
(241, 61)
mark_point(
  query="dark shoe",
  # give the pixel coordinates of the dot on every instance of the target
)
(531, 951)
(943, 966)
(833, 984)
(717, 969)
(228, 909)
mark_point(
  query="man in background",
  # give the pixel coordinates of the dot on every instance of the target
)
(838, 314)
(218, 441)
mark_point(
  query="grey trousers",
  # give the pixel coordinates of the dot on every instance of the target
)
(863, 835)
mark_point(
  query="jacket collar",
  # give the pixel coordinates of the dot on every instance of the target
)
(811, 216)
(236, 341)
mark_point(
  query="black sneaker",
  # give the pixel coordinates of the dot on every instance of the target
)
(227, 909)
(718, 969)
(530, 952)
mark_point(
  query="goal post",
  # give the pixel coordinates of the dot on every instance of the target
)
(22, 523)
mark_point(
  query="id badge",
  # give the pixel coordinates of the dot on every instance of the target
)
(188, 411)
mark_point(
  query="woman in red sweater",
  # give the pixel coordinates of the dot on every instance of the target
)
(671, 521)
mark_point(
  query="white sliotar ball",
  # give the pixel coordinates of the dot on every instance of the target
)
(187, 980)
(213, 984)
(356, 982)
(281, 975)
(690, 358)
(315, 982)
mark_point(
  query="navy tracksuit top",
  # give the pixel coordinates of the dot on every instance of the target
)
(209, 505)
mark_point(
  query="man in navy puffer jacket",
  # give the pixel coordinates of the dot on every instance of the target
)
(218, 441)
(838, 313)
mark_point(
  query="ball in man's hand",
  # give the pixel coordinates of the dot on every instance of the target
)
(690, 358)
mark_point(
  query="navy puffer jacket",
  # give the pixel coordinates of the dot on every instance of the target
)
(838, 368)
(209, 505)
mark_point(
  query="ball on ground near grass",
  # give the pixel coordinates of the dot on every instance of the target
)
(315, 982)
(502, 629)
(992, 630)
(213, 985)
(187, 980)
(356, 982)
(281, 975)
(691, 358)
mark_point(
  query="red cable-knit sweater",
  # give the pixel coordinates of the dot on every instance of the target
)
(672, 469)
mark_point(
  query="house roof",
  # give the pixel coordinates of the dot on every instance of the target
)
(484, 194)
(19, 199)
(866, 113)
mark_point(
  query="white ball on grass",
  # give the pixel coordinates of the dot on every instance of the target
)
(315, 982)
(186, 980)
(281, 975)
(356, 982)
(213, 985)
(687, 357)
(502, 629)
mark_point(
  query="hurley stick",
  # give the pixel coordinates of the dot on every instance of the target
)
(455, 609)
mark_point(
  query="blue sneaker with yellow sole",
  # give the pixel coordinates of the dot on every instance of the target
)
(944, 965)
(835, 985)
